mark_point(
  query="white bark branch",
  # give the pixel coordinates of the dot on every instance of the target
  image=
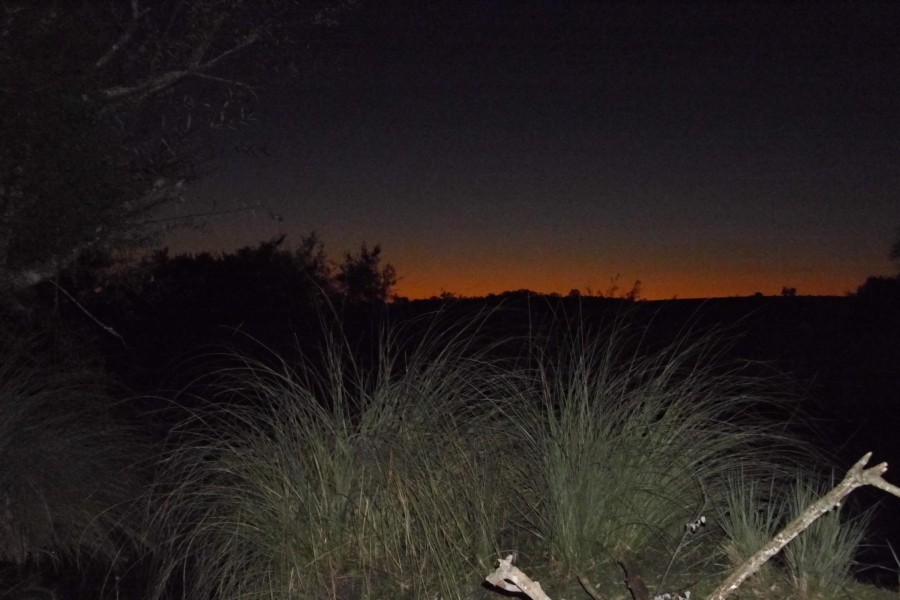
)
(108, 329)
(144, 88)
(202, 47)
(509, 578)
(856, 477)
(196, 65)
(17, 280)
(233, 82)
(251, 39)
(125, 37)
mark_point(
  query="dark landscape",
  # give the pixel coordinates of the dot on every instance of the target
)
(550, 345)
(158, 330)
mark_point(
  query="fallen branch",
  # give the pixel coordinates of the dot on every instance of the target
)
(857, 476)
(590, 589)
(633, 579)
(511, 579)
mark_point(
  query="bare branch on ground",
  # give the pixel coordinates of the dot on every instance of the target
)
(509, 578)
(856, 477)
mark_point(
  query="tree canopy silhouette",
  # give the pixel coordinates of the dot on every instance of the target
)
(259, 288)
(895, 252)
(107, 108)
(362, 279)
(884, 289)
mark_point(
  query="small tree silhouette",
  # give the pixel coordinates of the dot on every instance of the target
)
(880, 287)
(362, 279)
(895, 252)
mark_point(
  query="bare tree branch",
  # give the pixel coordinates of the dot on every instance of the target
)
(212, 213)
(124, 105)
(856, 477)
(233, 82)
(511, 579)
(588, 587)
(24, 278)
(145, 88)
(200, 50)
(195, 63)
(157, 83)
(249, 40)
(124, 37)
(99, 323)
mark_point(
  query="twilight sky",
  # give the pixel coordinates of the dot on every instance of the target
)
(705, 148)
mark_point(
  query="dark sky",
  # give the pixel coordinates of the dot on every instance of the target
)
(707, 149)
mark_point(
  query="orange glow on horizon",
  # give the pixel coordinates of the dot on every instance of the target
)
(478, 272)
(684, 288)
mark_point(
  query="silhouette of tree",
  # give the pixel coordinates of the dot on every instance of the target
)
(880, 289)
(788, 292)
(883, 289)
(311, 259)
(255, 287)
(165, 305)
(263, 284)
(107, 108)
(895, 251)
(362, 279)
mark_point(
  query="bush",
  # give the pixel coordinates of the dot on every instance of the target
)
(627, 448)
(313, 482)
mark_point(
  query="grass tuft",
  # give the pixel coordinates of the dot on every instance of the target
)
(819, 561)
(68, 471)
(629, 447)
(324, 482)
(408, 472)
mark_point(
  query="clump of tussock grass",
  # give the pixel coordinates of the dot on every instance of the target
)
(325, 480)
(751, 512)
(818, 562)
(69, 471)
(626, 447)
(408, 475)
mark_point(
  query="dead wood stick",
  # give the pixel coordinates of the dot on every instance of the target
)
(857, 476)
(510, 578)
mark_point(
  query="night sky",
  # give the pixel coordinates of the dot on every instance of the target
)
(708, 149)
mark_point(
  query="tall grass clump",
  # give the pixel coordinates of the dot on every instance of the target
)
(327, 480)
(751, 512)
(405, 471)
(819, 561)
(69, 472)
(627, 446)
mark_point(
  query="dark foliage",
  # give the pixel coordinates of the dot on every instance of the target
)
(106, 108)
(362, 279)
(165, 307)
(880, 289)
